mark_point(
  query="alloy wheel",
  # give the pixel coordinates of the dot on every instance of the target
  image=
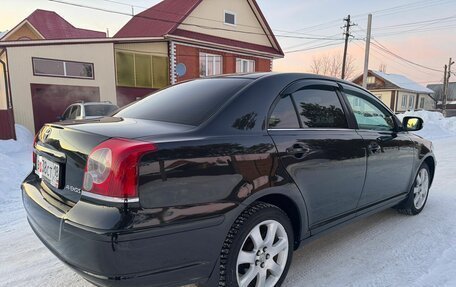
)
(421, 188)
(263, 255)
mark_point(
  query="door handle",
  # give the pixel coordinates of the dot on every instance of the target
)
(383, 139)
(297, 150)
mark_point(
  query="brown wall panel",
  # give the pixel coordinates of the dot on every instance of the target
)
(50, 101)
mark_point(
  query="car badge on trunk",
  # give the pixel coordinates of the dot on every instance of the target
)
(47, 132)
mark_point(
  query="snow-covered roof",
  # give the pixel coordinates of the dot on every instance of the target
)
(403, 82)
(438, 89)
(2, 33)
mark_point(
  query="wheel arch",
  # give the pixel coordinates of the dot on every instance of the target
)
(290, 208)
(430, 161)
(292, 203)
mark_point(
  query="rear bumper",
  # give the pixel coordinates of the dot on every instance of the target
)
(164, 256)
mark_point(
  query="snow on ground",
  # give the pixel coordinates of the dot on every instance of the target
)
(436, 126)
(385, 249)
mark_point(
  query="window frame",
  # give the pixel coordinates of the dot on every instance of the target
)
(273, 107)
(65, 76)
(243, 60)
(372, 99)
(422, 102)
(152, 74)
(231, 13)
(207, 64)
(404, 101)
(370, 80)
(306, 84)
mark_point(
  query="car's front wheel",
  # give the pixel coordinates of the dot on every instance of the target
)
(418, 195)
(258, 249)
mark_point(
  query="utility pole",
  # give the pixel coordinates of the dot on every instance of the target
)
(347, 34)
(447, 85)
(444, 87)
(366, 55)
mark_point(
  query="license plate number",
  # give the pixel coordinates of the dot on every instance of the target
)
(48, 170)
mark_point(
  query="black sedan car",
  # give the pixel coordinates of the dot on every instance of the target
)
(216, 181)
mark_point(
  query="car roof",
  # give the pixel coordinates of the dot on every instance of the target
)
(97, 103)
(303, 76)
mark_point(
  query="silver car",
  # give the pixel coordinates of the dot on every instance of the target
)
(89, 110)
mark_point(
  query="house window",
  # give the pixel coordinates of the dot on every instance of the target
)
(404, 102)
(371, 80)
(230, 18)
(141, 70)
(411, 102)
(245, 66)
(422, 103)
(210, 65)
(59, 68)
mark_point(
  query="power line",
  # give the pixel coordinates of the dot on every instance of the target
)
(380, 46)
(313, 48)
(189, 24)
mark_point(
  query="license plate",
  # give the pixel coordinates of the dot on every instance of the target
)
(48, 170)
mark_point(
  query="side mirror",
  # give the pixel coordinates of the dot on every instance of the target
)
(412, 124)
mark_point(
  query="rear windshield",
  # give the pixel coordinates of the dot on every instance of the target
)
(188, 103)
(99, 110)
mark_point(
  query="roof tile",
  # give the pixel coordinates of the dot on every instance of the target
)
(53, 26)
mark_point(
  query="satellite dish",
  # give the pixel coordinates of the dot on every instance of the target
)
(181, 69)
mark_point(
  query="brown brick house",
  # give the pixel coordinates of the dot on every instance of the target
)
(206, 37)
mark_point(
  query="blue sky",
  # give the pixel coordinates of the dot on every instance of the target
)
(427, 43)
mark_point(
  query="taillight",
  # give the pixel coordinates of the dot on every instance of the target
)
(112, 168)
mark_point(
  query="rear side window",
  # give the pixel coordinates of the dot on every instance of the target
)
(190, 103)
(320, 108)
(99, 110)
(284, 115)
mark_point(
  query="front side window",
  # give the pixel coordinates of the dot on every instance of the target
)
(284, 115)
(245, 66)
(367, 115)
(320, 108)
(67, 112)
(59, 68)
(72, 113)
(210, 65)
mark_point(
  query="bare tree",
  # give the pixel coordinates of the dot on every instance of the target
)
(331, 65)
(382, 67)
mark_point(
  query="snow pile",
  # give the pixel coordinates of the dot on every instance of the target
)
(436, 126)
(15, 160)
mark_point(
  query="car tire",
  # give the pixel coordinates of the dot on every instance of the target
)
(258, 248)
(417, 197)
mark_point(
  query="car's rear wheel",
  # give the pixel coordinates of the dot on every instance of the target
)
(418, 195)
(258, 249)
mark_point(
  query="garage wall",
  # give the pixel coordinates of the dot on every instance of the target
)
(21, 73)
